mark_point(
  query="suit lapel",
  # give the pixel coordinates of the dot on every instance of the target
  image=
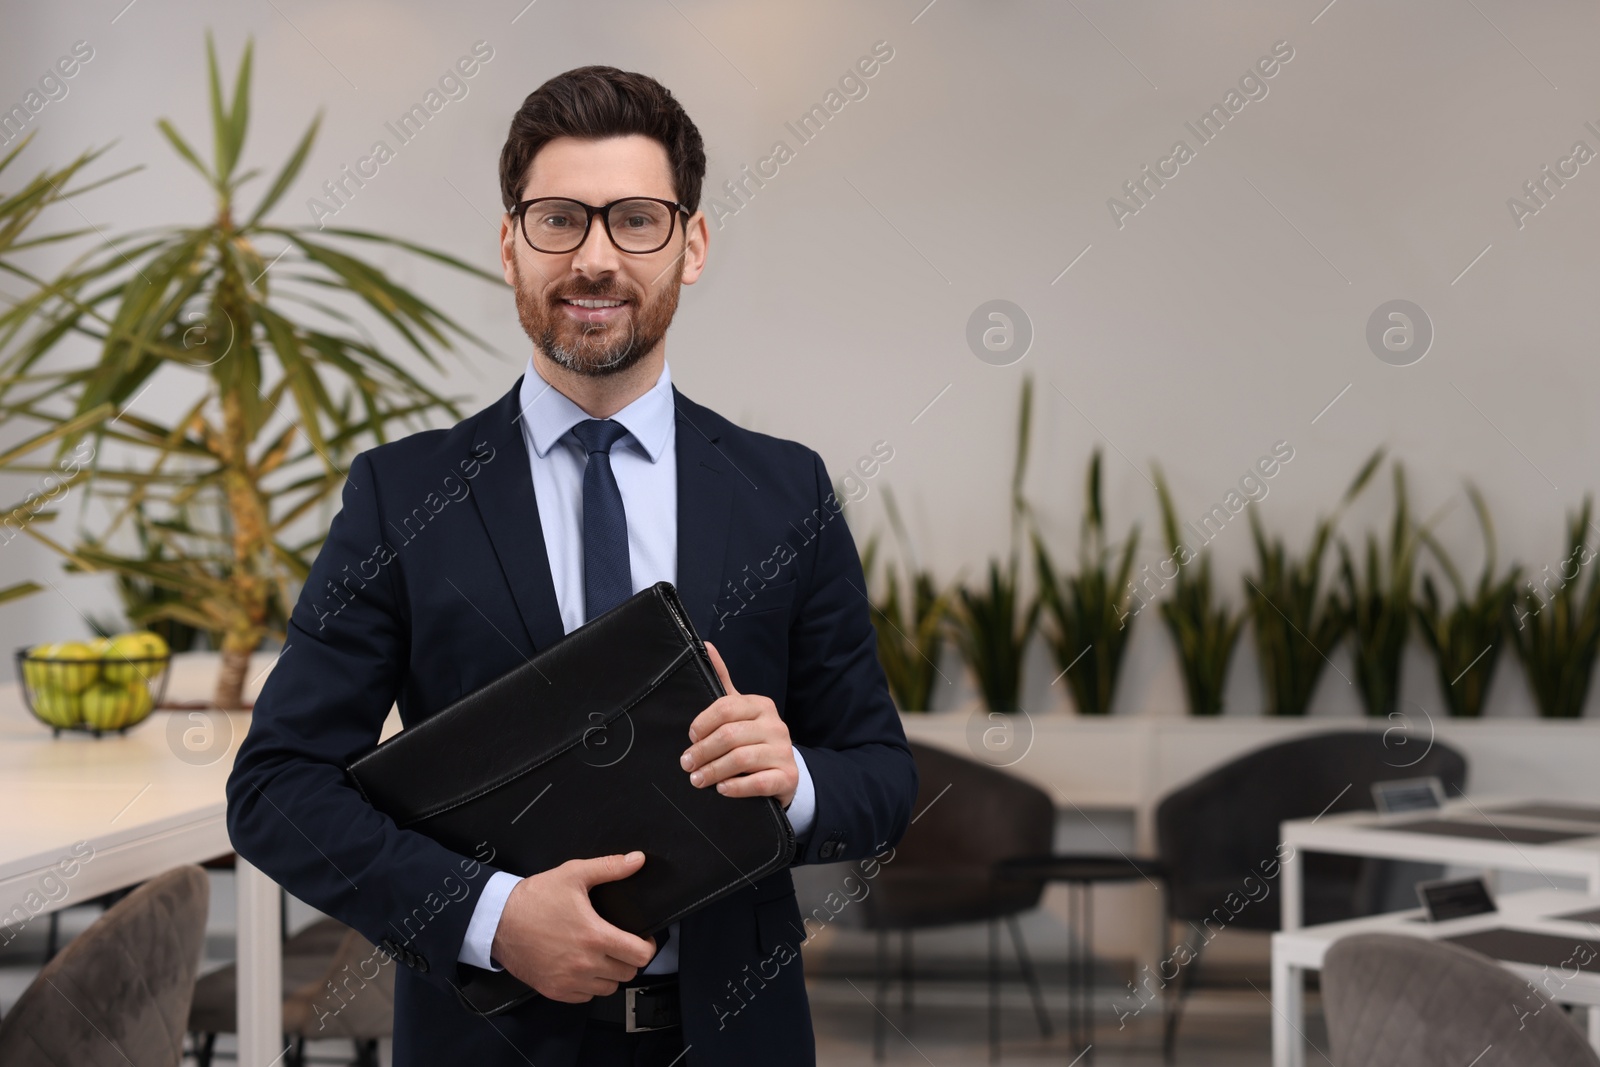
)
(506, 502)
(510, 513)
(705, 499)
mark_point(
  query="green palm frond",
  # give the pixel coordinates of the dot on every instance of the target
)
(267, 324)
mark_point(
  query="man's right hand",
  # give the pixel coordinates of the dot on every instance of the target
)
(551, 938)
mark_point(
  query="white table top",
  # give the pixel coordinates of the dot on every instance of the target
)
(1366, 833)
(1529, 910)
(164, 775)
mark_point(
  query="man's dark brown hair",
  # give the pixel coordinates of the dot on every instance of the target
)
(596, 102)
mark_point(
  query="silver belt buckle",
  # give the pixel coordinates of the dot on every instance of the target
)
(628, 1022)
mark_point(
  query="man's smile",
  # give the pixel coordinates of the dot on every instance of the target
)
(591, 309)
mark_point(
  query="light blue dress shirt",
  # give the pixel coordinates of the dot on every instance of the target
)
(645, 464)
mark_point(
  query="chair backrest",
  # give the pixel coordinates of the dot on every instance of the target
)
(1397, 1001)
(1221, 829)
(967, 817)
(120, 992)
(353, 999)
(969, 814)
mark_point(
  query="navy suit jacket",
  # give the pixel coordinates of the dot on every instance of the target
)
(432, 582)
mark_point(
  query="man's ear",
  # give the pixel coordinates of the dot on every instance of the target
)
(697, 238)
(508, 249)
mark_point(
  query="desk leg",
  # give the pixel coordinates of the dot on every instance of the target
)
(1290, 886)
(260, 968)
(1288, 1014)
(1594, 1013)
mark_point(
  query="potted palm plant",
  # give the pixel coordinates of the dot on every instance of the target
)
(1088, 610)
(263, 324)
(1295, 622)
(20, 210)
(1467, 637)
(993, 622)
(1204, 631)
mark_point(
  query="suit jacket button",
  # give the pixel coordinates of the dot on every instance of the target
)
(829, 848)
(422, 964)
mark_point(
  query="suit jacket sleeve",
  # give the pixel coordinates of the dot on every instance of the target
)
(840, 714)
(291, 810)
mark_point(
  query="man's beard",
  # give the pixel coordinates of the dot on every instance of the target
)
(595, 349)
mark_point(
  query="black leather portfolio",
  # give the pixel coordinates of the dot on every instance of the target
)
(574, 754)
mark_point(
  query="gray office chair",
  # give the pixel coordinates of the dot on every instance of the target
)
(335, 985)
(120, 992)
(943, 872)
(1398, 1001)
(1216, 833)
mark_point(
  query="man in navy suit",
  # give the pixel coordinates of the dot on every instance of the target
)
(459, 553)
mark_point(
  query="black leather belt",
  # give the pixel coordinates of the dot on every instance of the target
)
(647, 1006)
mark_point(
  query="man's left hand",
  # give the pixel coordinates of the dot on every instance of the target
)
(741, 745)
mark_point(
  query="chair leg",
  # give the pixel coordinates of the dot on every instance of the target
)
(53, 938)
(204, 1046)
(1184, 983)
(1075, 980)
(1029, 976)
(366, 1052)
(905, 975)
(994, 991)
(1088, 975)
(878, 1035)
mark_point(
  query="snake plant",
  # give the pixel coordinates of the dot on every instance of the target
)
(1556, 631)
(1204, 631)
(910, 630)
(1296, 623)
(1467, 637)
(993, 622)
(1378, 605)
(1088, 610)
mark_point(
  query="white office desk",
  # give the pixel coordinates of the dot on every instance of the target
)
(136, 805)
(1296, 951)
(1369, 834)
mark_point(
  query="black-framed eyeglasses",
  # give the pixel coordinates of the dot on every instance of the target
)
(635, 224)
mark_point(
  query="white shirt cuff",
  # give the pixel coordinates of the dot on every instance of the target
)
(478, 943)
(803, 808)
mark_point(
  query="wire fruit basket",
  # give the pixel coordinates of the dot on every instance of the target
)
(96, 688)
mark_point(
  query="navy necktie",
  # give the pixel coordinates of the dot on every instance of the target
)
(607, 575)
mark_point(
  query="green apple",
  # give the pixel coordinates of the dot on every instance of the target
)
(106, 705)
(73, 677)
(139, 702)
(138, 645)
(56, 706)
(37, 674)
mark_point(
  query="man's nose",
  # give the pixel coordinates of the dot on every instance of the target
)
(597, 255)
